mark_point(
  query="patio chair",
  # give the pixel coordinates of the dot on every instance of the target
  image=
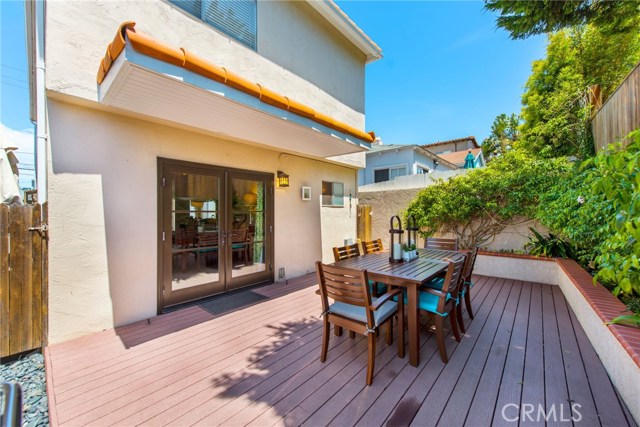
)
(344, 252)
(441, 243)
(465, 287)
(372, 246)
(340, 253)
(356, 310)
(442, 304)
(369, 247)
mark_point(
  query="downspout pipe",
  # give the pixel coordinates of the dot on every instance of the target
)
(35, 10)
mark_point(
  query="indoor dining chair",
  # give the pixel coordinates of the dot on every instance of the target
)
(354, 308)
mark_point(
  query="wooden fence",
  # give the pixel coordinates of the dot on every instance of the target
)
(364, 223)
(23, 278)
(620, 114)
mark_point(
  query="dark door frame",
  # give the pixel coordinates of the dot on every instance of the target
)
(226, 174)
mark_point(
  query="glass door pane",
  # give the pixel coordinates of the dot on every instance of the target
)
(248, 222)
(195, 214)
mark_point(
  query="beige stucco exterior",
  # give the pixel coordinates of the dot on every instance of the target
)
(103, 212)
(103, 163)
(78, 32)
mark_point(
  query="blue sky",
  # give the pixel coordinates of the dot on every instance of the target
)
(15, 125)
(447, 71)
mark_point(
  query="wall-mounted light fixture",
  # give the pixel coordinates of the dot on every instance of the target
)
(282, 179)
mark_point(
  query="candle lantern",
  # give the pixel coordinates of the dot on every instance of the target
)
(412, 232)
(396, 232)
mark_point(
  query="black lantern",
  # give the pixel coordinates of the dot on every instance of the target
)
(396, 232)
(412, 232)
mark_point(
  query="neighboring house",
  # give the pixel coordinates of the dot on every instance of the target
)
(387, 162)
(455, 150)
(162, 128)
(458, 157)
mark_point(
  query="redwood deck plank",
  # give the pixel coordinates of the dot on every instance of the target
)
(259, 365)
(577, 381)
(555, 382)
(479, 335)
(510, 385)
(604, 395)
(533, 380)
(424, 375)
(487, 361)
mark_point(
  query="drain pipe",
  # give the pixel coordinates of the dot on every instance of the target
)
(38, 102)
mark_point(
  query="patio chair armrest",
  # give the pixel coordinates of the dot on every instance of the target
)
(433, 291)
(386, 297)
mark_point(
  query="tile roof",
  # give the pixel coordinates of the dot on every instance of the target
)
(457, 157)
(182, 58)
(466, 138)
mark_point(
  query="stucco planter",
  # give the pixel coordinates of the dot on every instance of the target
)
(617, 346)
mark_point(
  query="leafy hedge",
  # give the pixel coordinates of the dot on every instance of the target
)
(478, 205)
(598, 210)
(593, 207)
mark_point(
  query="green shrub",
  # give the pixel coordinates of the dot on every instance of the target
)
(478, 205)
(616, 177)
(570, 209)
(548, 246)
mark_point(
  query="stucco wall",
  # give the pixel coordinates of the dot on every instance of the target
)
(78, 32)
(393, 202)
(103, 212)
(287, 30)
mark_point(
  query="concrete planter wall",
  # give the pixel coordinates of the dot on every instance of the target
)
(617, 346)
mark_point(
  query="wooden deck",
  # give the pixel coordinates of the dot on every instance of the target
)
(259, 365)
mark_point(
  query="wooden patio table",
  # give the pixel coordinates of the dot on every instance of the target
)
(410, 275)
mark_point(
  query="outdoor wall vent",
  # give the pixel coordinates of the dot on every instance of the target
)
(281, 273)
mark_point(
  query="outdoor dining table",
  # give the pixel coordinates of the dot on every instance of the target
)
(410, 275)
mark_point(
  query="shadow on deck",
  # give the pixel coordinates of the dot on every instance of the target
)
(258, 364)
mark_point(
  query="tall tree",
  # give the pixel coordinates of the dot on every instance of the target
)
(504, 134)
(555, 102)
(526, 18)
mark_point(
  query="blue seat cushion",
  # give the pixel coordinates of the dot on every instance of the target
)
(359, 313)
(427, 302)
(436, 283)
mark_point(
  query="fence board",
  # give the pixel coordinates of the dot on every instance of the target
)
(22, 279)
(20, 284)
(4, 279)
(364, 223)
(36, 278)
(620, 114)
(45, 277)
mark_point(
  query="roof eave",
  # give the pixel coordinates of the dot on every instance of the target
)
(336, 17)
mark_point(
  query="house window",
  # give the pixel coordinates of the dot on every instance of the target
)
(235, 18)
(388, 174)
(332, 193)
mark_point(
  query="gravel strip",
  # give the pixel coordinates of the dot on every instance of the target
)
(28, 371)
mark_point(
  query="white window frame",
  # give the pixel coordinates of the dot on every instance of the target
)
(396, 166)
(335, 201)
(426, 169)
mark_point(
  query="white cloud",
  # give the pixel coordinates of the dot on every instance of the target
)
(23, 140)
